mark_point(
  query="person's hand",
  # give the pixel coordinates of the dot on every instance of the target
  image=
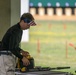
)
(25, 61)
(24, 53)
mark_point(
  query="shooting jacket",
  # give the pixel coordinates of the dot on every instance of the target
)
(11, 40)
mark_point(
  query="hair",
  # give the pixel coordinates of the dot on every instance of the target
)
(27, 15)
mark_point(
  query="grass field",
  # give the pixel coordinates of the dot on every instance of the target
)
(49, 44)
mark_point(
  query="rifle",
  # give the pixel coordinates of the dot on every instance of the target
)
(47, 68)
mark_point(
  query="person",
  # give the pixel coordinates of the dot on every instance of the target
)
(10, 45)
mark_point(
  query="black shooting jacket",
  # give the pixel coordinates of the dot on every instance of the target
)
(11, 40)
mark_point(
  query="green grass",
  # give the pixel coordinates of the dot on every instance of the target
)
(53, 37)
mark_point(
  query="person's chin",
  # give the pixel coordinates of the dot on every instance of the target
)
(25, 28)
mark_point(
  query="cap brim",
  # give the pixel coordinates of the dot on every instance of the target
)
(32, 23)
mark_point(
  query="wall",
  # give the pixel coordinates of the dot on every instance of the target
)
(9, 14)
(15, 11)
(4, 16)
